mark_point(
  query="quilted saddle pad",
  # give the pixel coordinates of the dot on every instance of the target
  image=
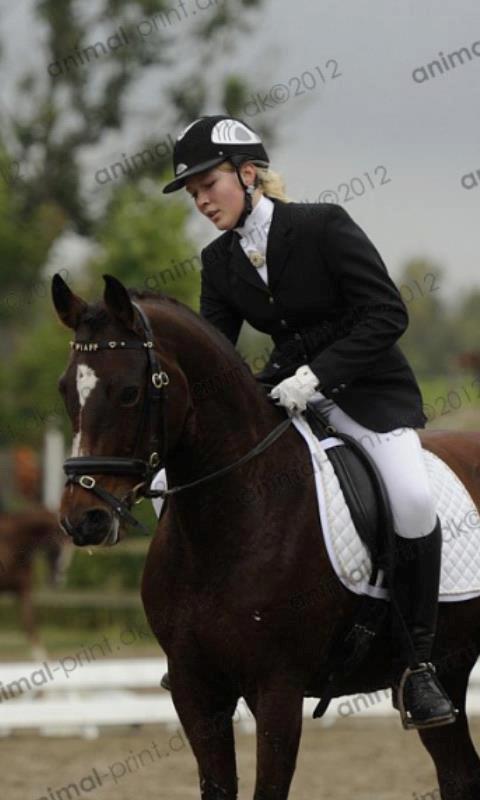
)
(460, 518)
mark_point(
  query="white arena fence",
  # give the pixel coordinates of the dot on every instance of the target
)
(53, 701)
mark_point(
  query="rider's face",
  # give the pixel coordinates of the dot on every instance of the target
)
(218, 194)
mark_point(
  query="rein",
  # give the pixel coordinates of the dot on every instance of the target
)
(81, 469)
(259, 448)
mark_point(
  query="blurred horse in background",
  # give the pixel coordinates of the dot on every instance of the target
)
(24, 534)
(470, 361)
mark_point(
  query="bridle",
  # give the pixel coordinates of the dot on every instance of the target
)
(80, 470)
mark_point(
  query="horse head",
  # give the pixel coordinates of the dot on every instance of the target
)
(149, 384)
(114, 388)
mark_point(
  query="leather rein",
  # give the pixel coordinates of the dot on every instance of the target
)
(80, 470)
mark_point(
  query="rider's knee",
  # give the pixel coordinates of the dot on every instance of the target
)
(417, 514)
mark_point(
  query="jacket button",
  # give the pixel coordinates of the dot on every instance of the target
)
(270, 299)
(335, 390)
(343, 386)
(283, 323)
(297, 336)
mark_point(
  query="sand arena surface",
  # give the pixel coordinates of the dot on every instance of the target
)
(356, 759)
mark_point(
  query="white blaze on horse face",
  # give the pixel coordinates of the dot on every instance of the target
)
(76, 445)
(86, 382)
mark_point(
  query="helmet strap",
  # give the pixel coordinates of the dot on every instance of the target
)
(248, 194)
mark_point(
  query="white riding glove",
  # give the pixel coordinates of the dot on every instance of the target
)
(293, 393)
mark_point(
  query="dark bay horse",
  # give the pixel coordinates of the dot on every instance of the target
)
(23, 536)
(237, 585)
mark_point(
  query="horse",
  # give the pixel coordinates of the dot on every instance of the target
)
(470, 361)
(149, 383)
(24, 534)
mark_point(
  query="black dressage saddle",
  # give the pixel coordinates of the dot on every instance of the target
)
(362, 486)
(363, 489)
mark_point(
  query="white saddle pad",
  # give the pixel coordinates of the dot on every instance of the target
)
(460, 518)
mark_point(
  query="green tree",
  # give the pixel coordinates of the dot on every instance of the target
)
(144, 244)
(23, 248)
(466, 322)
(115, 48)
(429, 342)
(81, 91)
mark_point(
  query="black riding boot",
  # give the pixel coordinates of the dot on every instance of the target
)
(421, 699)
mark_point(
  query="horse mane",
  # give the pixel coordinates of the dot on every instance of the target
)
(222, 342)
(97, 316)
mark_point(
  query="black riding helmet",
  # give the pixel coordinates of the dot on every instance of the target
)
(207, 142)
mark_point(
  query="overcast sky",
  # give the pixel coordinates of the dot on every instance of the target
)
(408, 141)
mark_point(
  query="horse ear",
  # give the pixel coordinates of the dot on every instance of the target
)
(68, 306)
(118, 302)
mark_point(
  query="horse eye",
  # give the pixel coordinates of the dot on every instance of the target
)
(129, 395)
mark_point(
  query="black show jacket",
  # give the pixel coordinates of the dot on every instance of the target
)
(330, 303)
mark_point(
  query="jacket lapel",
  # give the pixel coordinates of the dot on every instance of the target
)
(278, 248)
(279, 242)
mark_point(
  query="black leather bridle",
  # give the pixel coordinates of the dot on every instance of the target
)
(80, 470)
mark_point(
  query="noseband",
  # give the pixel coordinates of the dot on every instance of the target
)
(81, 469)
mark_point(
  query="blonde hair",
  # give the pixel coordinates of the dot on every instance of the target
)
(270, 182)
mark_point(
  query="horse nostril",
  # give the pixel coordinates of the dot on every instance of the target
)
(98, 519)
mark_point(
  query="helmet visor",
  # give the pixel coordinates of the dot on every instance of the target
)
(179, 182)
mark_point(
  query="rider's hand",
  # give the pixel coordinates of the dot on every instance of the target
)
(293, 393)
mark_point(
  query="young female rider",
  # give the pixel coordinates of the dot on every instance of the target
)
(307, 274)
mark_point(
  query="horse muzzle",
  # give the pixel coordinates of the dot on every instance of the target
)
(94, 526)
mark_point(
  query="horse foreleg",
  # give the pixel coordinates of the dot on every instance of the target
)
(278, 711)
(206, 715)
(451, 748)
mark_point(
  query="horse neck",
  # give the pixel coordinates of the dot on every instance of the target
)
(230, 413)
(213, 528)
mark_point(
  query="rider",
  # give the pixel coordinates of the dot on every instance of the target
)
(308, 275)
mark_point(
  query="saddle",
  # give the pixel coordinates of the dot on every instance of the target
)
(363, 489)
(361, 484)
(367, 499)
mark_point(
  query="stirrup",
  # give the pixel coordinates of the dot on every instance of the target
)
(407, 721)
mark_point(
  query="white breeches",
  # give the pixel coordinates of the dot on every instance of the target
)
(398, 456)
(399, 459)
